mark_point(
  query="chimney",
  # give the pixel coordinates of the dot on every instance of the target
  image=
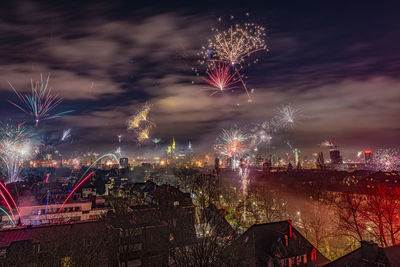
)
(369, 251)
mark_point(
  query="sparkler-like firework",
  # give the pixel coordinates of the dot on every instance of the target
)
(133, 122)
(14, 148)
(140, 124)
(41, 102)
(141, 115)
(287, 117)
(221, 79)
(66, 134)
(143, 134)
(387, 160)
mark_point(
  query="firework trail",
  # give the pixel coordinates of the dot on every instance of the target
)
(72, 192)
(233, 143)
(41, 102)
(119, 138)
(296, 153)
(4, 188)
(47, 178)
(14, 148)
(244, 183)
(287, 117)
(387, 160)
(234, 46)
(83, 179)
(97, 160)
(8, 215)
(221, 79)
(66, 134)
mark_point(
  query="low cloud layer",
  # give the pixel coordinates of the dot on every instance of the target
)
(343, 80)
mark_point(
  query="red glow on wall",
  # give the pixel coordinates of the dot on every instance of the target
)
(313, 254)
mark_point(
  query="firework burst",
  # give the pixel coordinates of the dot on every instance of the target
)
(233, 143)
(41, 102)
(287, 117)
(387, 160)
(140, 116)
(14, 148)
(140, 124)
(261, 134)
(220, 79)
(236, 44)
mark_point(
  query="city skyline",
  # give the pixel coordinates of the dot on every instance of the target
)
(334, 64)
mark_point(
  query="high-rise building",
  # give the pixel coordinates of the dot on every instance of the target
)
(335, 156)
(123, 162)
(190, 146)
(368, 156)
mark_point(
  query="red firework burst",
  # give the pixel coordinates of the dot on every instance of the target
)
(221, 79)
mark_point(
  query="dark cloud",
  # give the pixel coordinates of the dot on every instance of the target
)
(338, 65)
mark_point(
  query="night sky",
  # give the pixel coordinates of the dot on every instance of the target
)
(337, 63)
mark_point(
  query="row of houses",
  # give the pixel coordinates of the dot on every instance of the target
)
(109, 244)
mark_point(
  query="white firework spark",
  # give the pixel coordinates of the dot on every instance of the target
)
(15, 148)
(287, 117)
(66, 134)
(387, 160)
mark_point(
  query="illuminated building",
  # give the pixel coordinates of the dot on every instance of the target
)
(335, 157)
(123, 162)
(286, 246)
(190, 146)
(368, 157)
(72, 211)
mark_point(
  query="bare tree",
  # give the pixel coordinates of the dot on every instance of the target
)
(216, 243)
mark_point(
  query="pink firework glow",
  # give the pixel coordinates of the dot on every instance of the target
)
(221, 79)
(72, 192)
(13, 201)
(8, 206)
